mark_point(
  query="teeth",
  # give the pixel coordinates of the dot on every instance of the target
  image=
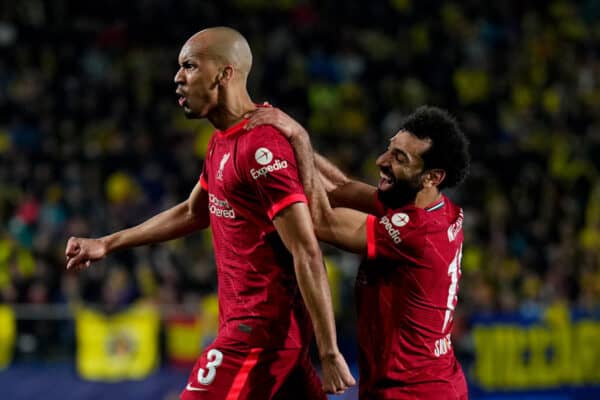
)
(383, 176)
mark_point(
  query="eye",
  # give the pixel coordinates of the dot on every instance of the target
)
(188, 65)
(400, 157)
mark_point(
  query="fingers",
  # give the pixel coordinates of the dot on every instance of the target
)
(73, 247)
(337, 377)
(350, 381)
(261, 116)
(259, 111)
(338, 388)
(72, 250)
(74, 261)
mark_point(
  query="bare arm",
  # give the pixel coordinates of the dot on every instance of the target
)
(343, 191)
(180, 220)
(329, 171)
(296, 231)
(342, 227)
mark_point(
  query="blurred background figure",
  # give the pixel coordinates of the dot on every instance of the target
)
(87, 109)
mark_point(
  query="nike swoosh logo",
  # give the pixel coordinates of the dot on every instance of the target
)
(192, 389)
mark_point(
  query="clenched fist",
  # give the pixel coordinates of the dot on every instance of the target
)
(80, 252)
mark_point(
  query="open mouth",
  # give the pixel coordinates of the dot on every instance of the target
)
(182, 101)
(386, 181)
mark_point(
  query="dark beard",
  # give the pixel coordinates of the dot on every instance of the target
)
(403, 192)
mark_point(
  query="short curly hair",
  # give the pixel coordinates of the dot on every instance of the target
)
(449, 149)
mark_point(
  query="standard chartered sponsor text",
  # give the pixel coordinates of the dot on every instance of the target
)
(220, 208)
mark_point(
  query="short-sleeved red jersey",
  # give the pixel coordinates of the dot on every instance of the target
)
(406, 291)
(250, 176)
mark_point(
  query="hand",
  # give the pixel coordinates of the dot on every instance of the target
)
(336, 374)
(81, 252)
(288, 126)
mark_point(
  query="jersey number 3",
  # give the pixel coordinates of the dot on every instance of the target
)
(215, 358)
(453, 273)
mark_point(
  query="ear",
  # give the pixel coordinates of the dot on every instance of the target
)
(226, 75)
(433, 177)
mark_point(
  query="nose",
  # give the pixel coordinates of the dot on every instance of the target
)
(383, 159)
(178, 79)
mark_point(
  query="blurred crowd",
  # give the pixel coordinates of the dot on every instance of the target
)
(92, 140)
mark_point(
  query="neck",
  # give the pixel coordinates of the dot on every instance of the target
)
(426, 196)
(233, 105)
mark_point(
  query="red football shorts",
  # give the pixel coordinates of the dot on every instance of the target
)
(455, 390)
(232, 373)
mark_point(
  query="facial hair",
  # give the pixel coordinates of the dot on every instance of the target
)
(402, 192)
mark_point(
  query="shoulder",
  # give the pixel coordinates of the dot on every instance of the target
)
(264, 143)
(452, 212)
(455, 216)
(405, 217)
(264, 133)
(399, 224)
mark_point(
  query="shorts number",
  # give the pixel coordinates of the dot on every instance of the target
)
(215, 358)
(454, 273)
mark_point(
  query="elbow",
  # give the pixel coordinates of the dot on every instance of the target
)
(197, 218)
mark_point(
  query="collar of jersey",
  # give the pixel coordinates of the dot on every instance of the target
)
(436, 206)
(233, 129)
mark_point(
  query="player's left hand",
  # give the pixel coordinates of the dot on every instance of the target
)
(288, 126)
(336, 374)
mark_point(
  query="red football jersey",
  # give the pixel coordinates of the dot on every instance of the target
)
(406, 292)
(250, 176)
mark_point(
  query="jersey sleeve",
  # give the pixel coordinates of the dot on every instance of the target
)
(395, 236)
(203, 175)
(203, 179)
(268, 164)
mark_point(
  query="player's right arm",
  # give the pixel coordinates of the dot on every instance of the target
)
(341, 190)
(342, 227)
(175, 222)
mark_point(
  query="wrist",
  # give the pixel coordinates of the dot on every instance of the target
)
(330, 354)
(327, 348)
(108, 242)
(300, 135)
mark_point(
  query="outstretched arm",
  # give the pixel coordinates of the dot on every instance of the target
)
(180, 220)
